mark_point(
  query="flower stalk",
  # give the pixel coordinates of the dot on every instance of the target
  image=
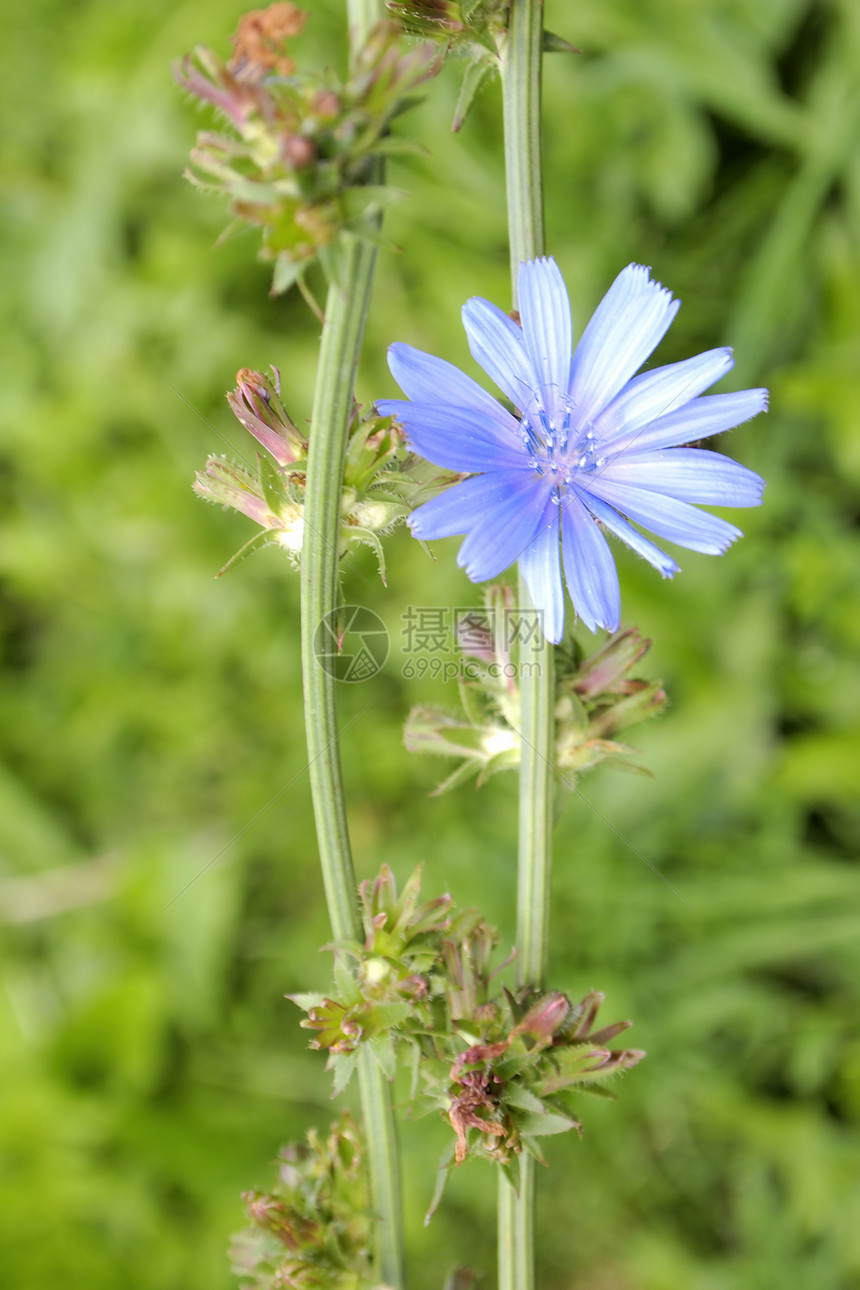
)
(521, 99)
(346, 310)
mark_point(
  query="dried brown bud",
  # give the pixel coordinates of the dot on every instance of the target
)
(259, 43)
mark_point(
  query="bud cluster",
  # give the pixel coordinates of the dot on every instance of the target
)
(500, 1065)
(313, 1229)
(296, 159)
(474, 30)
(459, 23)
(595, 699)
(382, 481)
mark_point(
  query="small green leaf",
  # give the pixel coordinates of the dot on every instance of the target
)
(256, 543)
(342, 1066)
(476, 74)
(591, 1090)
(523, 1100)
(347, 986)
(511, 1170)
(272, 485)
(331, 259)
(393, 146)
(534, 1150)
(286, 273)
(415, 1070)
(541, 1126)
(441, 1179)
(553, 44)
(392, 1014)
(459, 776)
(382, 1048)
(307, 1000)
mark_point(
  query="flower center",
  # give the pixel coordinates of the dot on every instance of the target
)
(559, 445)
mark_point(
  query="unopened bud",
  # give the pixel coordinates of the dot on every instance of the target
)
(257, 405)
(326, 103)
(543, 1019)
(599, 673)
(299, 151)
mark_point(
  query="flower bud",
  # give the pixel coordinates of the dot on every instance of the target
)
(601, 671)
(296, 154)
(545, 1018)
(259, 43)
(256, 403)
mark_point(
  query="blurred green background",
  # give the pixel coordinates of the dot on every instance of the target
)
(158, 884)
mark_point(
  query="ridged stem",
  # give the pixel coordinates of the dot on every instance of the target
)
(521, 97)
(346, 307)
(346, 310)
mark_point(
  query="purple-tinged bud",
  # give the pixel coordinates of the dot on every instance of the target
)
(585, 1014)
(475, 637)
(299, 151)
(215, 85)
(642, 699)
(599, 673)
(256, 403)
(428, 18)
(609, 1032)
(543, 1019)
(326, 104)
(230, 485)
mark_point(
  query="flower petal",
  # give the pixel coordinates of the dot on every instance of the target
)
(702, 418)
(512, 513)
(545, 311)
(496, 342)
(457, 438)
(657, 393)
(690, 474)
(540, 565)
(668, 518)
(458, 508)
(630, 321)
(589, 568)
(616, 524)
(432, 380)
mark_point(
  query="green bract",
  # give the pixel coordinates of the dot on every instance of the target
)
(500, 1065)
(297, 156)
(382, 482)
(595, 699)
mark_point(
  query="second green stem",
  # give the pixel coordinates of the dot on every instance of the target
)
(521, 97)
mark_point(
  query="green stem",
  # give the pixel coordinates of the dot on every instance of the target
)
(361, 16)
(342, 332)
(521, 97)
(346, 308)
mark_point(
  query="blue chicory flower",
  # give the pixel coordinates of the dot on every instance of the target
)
(590, 447)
